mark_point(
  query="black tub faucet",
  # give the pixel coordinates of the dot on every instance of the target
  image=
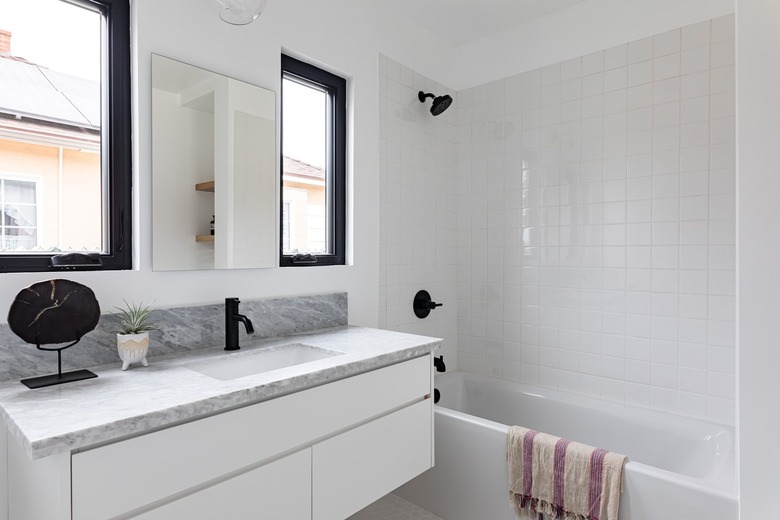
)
(438, 363)
(232, 317)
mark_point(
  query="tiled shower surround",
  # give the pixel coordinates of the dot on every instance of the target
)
(596, 220)
(418, 214)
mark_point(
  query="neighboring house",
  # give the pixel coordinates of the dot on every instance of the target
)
(303, 207)
(50, 171)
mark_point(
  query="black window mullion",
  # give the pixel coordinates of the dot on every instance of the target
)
(120, 140)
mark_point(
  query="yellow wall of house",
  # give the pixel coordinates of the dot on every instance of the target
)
(307, 216)
(77, 223)
(81, 200)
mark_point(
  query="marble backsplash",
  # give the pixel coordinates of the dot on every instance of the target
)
(179, 329)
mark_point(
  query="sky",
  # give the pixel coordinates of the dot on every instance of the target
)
(304, 123)
(54, 34)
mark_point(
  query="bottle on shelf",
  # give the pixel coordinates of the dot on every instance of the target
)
(211, 225)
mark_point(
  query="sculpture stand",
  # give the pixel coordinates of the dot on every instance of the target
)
(60, 377)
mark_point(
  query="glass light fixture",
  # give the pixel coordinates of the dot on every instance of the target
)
(240, 12)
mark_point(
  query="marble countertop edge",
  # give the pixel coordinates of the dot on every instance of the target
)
(31, 432)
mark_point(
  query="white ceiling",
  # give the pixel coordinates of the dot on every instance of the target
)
(462, 21)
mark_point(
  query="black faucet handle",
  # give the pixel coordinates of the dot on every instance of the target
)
(423, 304)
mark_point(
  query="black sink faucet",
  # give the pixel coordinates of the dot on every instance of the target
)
(232, 317)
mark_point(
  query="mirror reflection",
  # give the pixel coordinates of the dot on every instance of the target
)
(214, 170)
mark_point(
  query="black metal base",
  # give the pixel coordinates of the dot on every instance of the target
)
(58, 379)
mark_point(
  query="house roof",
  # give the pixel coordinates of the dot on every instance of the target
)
(296, 167)
(33, 91)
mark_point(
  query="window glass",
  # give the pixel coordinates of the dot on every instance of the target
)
(64, 121)
(313, 169)
(305, 139)
(286, 208)
(18, 203)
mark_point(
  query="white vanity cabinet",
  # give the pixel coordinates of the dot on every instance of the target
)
(277, 490)
(322, 453)
(351, 470)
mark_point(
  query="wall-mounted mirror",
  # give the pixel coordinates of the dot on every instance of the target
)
(214, 170)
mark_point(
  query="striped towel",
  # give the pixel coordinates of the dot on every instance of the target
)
(554, 478)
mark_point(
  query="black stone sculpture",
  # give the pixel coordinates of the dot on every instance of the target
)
(54, 312)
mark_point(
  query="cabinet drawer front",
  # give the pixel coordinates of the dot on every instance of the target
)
(120, 477)
(356, 468)
(280, 490)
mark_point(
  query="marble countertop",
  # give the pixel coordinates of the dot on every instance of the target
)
(118, 404)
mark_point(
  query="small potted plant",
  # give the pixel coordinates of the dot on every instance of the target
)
(132, 338)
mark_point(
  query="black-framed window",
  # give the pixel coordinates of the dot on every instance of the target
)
(74, 135)
(313, 165)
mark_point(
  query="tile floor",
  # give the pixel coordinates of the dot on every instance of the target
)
(392, 507)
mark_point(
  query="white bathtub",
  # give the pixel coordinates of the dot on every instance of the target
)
(678, 469)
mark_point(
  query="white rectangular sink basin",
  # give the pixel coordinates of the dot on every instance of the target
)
(250, 363)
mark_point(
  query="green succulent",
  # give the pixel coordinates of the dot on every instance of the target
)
(134, 318)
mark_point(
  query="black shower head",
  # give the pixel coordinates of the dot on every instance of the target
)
(440, 103)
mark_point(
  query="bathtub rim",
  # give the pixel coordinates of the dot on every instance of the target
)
(721, 484)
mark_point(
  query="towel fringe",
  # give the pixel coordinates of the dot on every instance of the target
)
(530, 508)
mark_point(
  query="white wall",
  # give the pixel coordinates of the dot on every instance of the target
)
(343, 35)
(758, 132)
(584, 28)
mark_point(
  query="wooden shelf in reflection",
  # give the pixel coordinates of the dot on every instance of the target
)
(204, 238)
(205, 186)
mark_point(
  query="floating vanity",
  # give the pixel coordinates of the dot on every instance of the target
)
(345, 420)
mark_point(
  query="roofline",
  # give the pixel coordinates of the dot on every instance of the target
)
(44, 120)
(47, 134)
(292, 177)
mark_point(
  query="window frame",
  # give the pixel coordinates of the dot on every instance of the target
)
(336, 169)
(115, 148)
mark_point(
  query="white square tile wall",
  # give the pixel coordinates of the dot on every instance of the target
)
(418, 219)
(595, 236)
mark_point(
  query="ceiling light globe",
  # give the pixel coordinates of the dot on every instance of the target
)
(240, 12)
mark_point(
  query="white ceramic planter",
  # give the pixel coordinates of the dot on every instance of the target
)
(133, 348)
